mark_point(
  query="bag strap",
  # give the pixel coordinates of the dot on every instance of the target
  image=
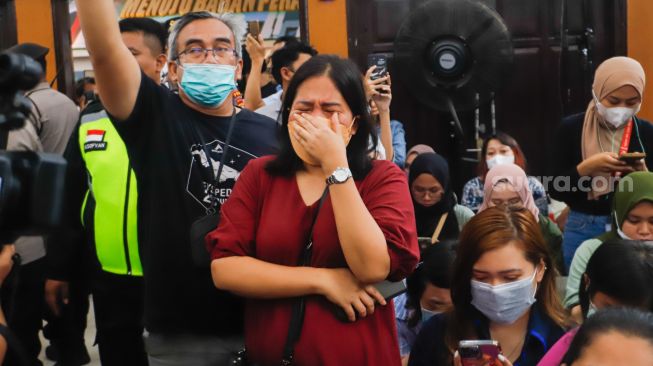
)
(297, 314)
(438, 229)
(223, 158)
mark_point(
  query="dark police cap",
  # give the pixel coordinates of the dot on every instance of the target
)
(32, 50)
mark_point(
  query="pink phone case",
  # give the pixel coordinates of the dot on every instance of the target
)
(481, 355)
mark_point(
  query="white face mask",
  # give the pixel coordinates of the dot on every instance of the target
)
(504, 303)
(623, 236)
(616, 116)
(500, 160)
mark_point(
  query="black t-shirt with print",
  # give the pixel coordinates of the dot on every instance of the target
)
(165, 139)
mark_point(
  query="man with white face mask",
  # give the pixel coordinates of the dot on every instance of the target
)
(175, 143)
(586, 158)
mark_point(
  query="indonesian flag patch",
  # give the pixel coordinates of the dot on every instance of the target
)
(95, 140)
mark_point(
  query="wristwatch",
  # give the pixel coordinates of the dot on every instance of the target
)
(339, 176)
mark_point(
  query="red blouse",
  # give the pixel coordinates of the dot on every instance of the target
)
(266, 218)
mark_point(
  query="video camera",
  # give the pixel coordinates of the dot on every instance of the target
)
(31, 184)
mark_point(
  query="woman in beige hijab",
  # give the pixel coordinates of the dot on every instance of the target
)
(588, 154)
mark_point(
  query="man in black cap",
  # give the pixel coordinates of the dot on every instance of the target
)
(54, 114)
(47, 129)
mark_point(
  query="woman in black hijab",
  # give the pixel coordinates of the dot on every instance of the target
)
(437, 213)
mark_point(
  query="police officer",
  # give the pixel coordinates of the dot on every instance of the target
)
(47, 129)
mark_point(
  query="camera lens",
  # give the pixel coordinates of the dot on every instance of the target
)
(470, 352)
(18, 72)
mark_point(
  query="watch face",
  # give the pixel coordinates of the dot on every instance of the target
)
(340, 175)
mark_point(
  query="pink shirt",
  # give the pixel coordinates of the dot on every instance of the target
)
(559, 349)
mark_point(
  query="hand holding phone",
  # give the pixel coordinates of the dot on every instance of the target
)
(378, 71)
(387, 289)
(632, 157)
(254, 29)
(481, 353)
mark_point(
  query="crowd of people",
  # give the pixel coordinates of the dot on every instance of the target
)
(213, 226)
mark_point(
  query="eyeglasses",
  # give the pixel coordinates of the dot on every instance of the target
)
(511, 203)
(199, 54)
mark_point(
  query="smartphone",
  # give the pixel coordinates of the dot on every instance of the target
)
(388, 290)
(254, 29)
(391, 290)
(632, 157)
(381, 62)
(479, 353)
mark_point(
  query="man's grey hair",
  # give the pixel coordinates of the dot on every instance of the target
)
(235, 23)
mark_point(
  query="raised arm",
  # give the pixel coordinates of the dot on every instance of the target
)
(116, 71)
(253, 98)
(382, 97)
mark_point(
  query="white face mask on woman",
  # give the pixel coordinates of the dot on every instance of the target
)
(500, 160)
(616, 116)
(504, 303)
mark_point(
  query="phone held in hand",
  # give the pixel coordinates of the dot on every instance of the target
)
(387, 289)
(381, 62)
(254, 29)
(479, 353)
(632, 157)
(390, 290)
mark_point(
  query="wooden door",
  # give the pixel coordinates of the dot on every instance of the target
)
(550, 77)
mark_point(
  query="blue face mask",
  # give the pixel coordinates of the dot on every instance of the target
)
(428, 314)
(208, 85)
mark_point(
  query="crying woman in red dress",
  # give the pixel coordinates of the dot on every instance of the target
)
(364, 231)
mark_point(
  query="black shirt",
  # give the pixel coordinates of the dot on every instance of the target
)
(430, 347)
(567, 154)
(268, 89)
(165, 140)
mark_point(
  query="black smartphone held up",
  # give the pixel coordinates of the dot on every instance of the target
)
(254, 29)
(479, 353)
(381, 62)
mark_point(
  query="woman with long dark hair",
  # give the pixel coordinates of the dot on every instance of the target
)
(363, 233)
(503, 288)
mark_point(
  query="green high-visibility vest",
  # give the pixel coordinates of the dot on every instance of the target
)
(112, 187)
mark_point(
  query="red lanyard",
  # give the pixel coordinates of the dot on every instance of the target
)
(625, 140)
